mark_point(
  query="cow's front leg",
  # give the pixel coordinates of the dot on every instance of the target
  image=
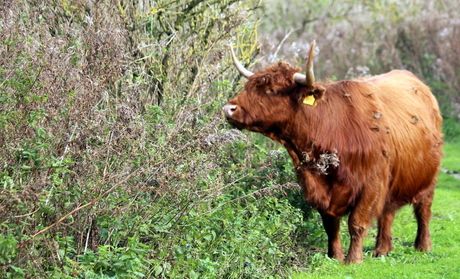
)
(332, 226)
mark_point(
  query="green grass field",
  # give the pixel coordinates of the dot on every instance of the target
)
(443, 261)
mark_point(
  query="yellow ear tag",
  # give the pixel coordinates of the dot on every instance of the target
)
(310, 100)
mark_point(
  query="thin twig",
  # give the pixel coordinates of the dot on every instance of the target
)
(282, 42)
(28, 214)
(88, 233)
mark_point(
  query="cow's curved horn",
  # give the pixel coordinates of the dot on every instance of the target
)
(246, 73)
(308, 79)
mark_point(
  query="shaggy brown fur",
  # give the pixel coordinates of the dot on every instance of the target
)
(385, 132)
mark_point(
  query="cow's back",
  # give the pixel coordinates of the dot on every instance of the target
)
(411, 119)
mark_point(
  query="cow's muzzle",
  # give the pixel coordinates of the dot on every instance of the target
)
(229, 110)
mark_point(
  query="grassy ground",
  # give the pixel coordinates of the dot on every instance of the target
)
(404, 262)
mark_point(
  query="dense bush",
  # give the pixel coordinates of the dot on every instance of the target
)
(116, 161)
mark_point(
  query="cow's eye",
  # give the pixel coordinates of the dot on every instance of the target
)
(271, 91)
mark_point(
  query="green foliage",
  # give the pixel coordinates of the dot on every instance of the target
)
(7, 248)
(8, 252)
(232, 241)
(451, 129)
(121, 262)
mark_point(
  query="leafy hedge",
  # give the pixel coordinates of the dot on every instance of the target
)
(117, 162)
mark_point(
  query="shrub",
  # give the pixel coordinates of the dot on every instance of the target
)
(117, 162)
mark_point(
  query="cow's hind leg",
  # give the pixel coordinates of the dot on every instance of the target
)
(385, 221)
(422, 211)
(332, 226)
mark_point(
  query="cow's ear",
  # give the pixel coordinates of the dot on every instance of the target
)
(312, 95)
(318, 91)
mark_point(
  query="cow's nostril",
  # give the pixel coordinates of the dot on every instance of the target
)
(229, 110)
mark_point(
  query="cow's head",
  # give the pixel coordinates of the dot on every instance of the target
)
(272, 96)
